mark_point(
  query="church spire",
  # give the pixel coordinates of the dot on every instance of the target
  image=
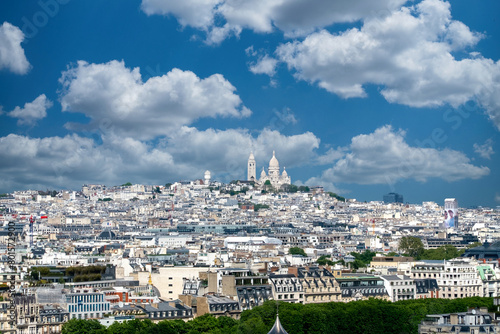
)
(277, 328)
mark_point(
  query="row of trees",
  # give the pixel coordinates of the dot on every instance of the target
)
(371, 316)
(79, 274)
(361, 260)
(334, 195)
(413, 246)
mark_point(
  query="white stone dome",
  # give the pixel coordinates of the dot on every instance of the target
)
(274, 162)
(284, 172)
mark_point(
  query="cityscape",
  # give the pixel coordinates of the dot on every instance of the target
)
(249, 167)
(191, 248)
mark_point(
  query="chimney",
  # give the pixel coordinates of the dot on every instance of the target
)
(454, 319)
(294, 271)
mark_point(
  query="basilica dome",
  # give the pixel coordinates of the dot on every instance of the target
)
(274, 162)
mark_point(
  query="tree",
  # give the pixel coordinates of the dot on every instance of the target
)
(446, 252)
(297, 251)
(324, 260)
(257, 207)
(285, 188)
(80, 326)
(411, 246)
(128, 184)
(35, 274)
(334, 195)
(304, 189)
(474, 245)
(357, 263)
(365, 258)
(268, 187)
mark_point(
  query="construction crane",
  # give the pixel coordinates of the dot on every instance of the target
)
(32, 222)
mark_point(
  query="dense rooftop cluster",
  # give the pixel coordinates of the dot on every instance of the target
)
(191, 248)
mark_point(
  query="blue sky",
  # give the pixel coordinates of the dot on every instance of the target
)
(363, 97)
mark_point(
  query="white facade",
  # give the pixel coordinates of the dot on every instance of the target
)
(287, 288)
(174, 240)
(62, 259)
(399, 287)
(456, 278)
(250, 243)
(274, 176)
(251, 175)
(207, 177)
(87, 305)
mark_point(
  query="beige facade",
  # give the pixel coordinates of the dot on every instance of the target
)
(170, 280)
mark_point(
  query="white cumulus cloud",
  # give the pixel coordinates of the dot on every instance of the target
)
(12, 55)
(69, 162)
(264, 65)
(223, 18)
(384, 157)
(226, 152)
(116, 99)
(195, 13)
(32, 111)
(409, 53)
(485, 150)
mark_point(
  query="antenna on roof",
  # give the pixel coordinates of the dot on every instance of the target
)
(277, 308)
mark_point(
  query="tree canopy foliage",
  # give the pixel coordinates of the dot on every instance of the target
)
(334, 195)
(325, 260)
(257, 207)
(446, 252)
(412, 246)
(297, 251)
(372, 316)
(362, 259)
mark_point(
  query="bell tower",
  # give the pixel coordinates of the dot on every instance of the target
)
(251, 168)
